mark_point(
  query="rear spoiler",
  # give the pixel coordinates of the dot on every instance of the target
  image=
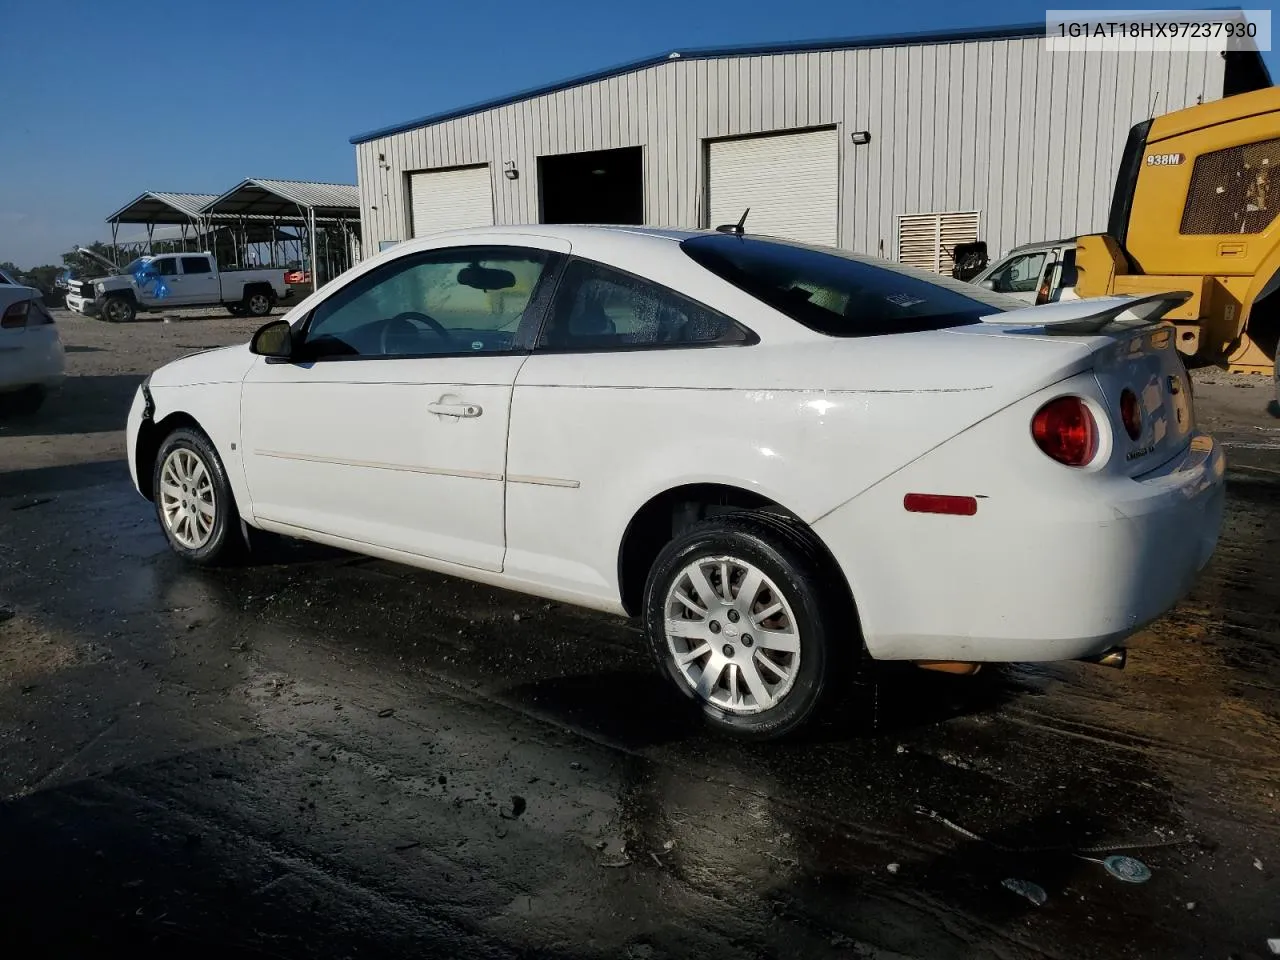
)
(1092, 315)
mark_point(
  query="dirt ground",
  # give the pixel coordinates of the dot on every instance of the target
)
(323, 755)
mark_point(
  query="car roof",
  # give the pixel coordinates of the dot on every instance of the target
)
(1041, 245)
(569, 232)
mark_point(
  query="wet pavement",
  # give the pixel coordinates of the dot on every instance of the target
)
(324, 755)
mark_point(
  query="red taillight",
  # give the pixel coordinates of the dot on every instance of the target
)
(16, 315)
(1131, 413)
(1066, 431)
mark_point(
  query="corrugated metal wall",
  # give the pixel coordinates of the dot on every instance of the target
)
(1029, 139)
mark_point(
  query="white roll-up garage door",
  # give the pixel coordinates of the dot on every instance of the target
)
(450, 199)
(790, 181)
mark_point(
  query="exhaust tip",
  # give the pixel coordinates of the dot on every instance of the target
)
(1115, 658)
(960, 668)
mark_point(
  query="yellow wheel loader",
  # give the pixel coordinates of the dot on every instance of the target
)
(1194, 209)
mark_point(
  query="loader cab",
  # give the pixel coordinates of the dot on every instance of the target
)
(1194, 209)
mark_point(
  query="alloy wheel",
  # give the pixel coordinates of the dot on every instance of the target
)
(186, 498)
(732, 634)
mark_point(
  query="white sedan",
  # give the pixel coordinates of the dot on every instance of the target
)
(785, 459)
(31, 355)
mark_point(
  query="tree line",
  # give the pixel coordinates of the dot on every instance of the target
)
(44, 278)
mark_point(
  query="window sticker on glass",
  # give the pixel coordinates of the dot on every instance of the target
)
(904, 299)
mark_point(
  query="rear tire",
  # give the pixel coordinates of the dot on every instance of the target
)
(193, 500)
(754, 677)
(118, 310)
(257, 303)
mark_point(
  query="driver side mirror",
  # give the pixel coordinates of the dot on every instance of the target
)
(273, 340)
(988, 284)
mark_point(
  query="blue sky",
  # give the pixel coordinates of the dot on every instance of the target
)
(104, 99)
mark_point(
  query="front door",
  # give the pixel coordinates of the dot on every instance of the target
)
(162, 285)
(390, 427)
(199, 282)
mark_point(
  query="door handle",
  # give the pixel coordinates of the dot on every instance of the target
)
(455, 409)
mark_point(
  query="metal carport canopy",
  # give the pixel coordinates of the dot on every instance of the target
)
(291, 200)
(154, 207)
(287, 199)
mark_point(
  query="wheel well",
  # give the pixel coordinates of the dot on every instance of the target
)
(665, 516)
(150, 436)
(261, 287)
(122, 294)
(1264, 317)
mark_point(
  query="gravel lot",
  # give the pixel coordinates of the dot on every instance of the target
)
(323, 755)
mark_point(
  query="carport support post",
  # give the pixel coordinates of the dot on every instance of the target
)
(311, 241)
(115, 247)
(150, 230)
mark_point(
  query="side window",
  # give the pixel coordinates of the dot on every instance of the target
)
(196, 265)
(597, 307)
(167, 266)
(460, 300)
(1019, 275)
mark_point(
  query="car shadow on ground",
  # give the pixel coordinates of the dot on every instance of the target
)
(896, 698)
(633, 708)
(86, 404)
(32, 484)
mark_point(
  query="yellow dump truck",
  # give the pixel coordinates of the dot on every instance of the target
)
(1193, 210)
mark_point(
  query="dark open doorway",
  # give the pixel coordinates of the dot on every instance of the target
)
(603, 186)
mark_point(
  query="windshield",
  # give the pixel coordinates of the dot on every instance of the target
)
(842, 294)
(134, 265)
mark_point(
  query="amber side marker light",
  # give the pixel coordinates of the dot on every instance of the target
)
(940, 503)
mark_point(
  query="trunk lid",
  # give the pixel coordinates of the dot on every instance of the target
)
(1131, 351)
(1147, 363)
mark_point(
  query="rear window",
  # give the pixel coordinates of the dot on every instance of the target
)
(840, 294)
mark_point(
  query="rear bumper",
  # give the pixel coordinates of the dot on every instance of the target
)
(38, 363)
(1054, 579)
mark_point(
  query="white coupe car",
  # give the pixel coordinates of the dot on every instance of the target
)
(783, 458)
(31, 355)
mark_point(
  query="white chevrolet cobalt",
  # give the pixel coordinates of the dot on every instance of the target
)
(783, 458)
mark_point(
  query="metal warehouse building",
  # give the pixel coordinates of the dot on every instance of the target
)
(898, 146)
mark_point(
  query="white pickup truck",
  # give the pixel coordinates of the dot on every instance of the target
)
(179, 280)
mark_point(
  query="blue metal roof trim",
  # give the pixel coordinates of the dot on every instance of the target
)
(708, 53)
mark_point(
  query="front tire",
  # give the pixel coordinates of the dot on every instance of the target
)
(193, 500)
(740, 615)
(119, 310)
